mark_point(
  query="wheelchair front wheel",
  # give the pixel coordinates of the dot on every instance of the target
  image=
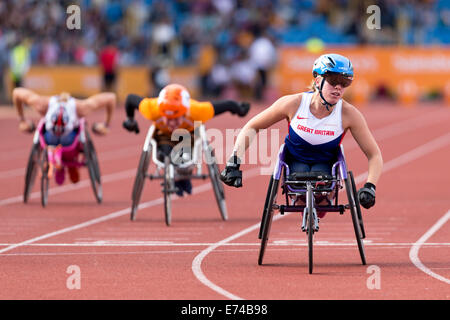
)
(138, 186)
(32, 167)
(310, 226)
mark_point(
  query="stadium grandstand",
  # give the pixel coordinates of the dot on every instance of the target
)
(212, 37)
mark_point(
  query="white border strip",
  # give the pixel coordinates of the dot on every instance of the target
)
(197, 262)
(414, 252)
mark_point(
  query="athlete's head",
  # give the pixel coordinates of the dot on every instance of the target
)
(173, 101)
(332, 74)
(64, 96)
(60, 116)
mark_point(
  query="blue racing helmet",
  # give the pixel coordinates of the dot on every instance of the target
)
(332, 63)
(336, 68)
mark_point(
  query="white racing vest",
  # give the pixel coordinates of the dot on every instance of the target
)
(312, 140)
(61, 117)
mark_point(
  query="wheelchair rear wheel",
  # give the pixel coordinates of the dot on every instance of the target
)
(168, 186)
(269, 190)
(219, 193)
(44, 178)
(267, 217)
(138, 186)
(355, 220)
(32, 167)
(358, 206)
(93, 168)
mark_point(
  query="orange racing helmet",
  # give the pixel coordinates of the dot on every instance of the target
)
(173, 101)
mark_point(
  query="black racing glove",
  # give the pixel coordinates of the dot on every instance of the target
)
(243, 109)
(131, 125)
(231, 175)
(366, 195)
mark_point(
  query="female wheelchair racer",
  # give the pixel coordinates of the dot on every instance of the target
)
(312, 153)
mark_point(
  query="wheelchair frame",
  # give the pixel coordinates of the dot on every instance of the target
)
(306, 188)
(39, 158)
(167, 171)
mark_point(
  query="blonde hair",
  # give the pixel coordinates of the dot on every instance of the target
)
(312, 86)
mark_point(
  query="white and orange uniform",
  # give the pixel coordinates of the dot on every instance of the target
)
(197, 111)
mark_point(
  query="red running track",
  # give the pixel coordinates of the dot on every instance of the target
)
(202, 257)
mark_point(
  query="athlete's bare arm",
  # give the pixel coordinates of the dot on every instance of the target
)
(27, 97)
(105, 100)
(283, 108)
(353, 119)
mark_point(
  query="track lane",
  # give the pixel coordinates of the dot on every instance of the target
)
(150, 226)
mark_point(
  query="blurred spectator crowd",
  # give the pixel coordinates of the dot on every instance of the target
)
(228, 40)
(402, 22)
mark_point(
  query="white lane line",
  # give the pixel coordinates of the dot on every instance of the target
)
(82, 225)
(103, 157)
(70, 187)
(410, 124)
(197, 262)
(198, 189)
(96, 253)
(418, 152)
(225, 250)
(422, 150)
(12, 173)
(287, 243)
(414, 252)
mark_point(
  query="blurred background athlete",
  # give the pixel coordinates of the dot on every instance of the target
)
(174, 109)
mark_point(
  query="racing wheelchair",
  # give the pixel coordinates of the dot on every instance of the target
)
(169, 169)
(38, 159)
(306, 192)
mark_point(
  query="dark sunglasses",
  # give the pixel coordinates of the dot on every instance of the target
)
(335, 78)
